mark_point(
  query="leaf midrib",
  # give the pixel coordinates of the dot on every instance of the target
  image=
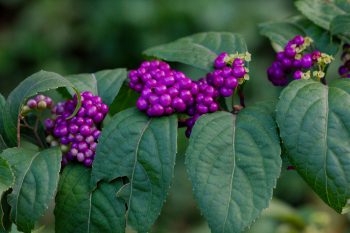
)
(233, 172)
(136, 157)
(21, 184)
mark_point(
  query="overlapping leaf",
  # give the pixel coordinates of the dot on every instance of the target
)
(233, 163)
(341, 26)
(282, 32)
(80, 210)
(105, 83)
(36, 177)
(322, 12)
(199, 50)
(6, 176)
(38, 82)
(142, 149)
(315, 129)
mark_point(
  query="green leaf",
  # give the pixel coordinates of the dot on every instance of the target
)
(341, 26)
(38, 82)
(199, 50)
(144, 150)
(78, 210)
(2, 107)
(3, 145)
(6, 176)
(314, 126)
(5, 221)
(126, 99)
(105, 83)
(322, 12)
(282, 32)
(36, 178)
(233, 163)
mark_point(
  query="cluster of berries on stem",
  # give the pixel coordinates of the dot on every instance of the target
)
(164, 91)
(344, 70)
(77, 136)
(298, 61)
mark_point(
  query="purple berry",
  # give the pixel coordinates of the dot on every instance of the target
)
(179, 104)
(298, 74)
(98, 118)
(85, 130)
(142, 104)
(32, 103)
(165, 100)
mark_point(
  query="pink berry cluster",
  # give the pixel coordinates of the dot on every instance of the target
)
(165, 91)
(294, 61)
(77, 136)
(344, 70)
(39, 102)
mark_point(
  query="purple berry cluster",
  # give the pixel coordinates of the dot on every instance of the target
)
(293, 60)
(39, 102)
(77, 136)
(344, 70)
(165, 91)
(227, 75)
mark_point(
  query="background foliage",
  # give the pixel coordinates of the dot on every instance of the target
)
(85, 36)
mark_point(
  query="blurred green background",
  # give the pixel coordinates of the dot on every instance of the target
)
(86, 36)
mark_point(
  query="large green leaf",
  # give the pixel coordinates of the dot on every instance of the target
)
(5, 220)
(36, 178)
(78, 210)
(105, 83)
(144, 150)
(233, 163)
(199, 50)
(322, 12)
(6, 176)
(281, 32)
(315, 129)
(341, 26)
(38, 82)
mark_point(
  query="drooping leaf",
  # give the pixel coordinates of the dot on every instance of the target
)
(38, 82)
(341, 26)
(144, 150)
(315, 130)
(199, 50)
(233, 163)
(105, 83)
(322, 12)
(6, 176)
(36, 177)
(5, 221)
(80, 210)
